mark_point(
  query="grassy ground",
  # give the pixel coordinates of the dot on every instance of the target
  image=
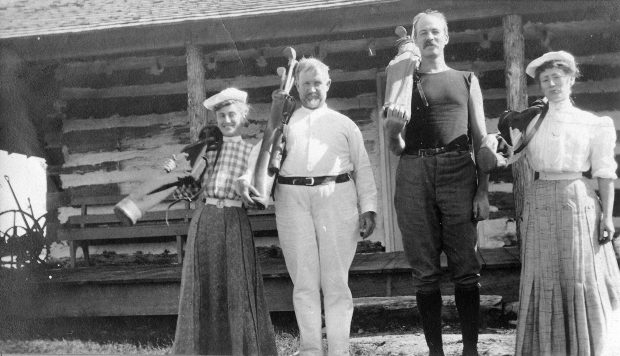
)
(154, 335)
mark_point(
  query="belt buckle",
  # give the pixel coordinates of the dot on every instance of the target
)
(220, 203)
(309, 181)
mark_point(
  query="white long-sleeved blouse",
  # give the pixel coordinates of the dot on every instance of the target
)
(572, 140)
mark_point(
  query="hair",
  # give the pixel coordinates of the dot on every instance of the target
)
(568, 68)
(307, 64)
(429, 12)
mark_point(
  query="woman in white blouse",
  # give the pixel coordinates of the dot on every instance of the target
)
(570, 282)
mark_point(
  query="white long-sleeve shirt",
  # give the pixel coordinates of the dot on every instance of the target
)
(573, 140)
(323, 142)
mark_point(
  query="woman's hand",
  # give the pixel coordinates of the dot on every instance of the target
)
(173, 163)
(170, 164)
(607, 230)
(245, 190)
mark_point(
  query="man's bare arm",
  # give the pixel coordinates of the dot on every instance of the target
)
(477, 123)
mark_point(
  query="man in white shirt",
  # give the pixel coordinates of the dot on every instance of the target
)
(325, 177)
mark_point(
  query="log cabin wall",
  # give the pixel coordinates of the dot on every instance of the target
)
(124, 113)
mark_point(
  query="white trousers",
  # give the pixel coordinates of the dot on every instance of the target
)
(318, 228)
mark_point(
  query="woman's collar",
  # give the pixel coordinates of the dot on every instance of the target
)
(232, 138)
(562, 105)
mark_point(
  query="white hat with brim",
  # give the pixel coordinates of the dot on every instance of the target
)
(226, 95)
(550, 56)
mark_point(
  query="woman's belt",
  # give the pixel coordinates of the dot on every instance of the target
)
(221, 203)
(312, 181)
(557, 175)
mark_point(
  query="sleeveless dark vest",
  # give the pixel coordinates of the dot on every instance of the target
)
(445, 122)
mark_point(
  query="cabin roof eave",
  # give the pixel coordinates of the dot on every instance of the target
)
(298, 22)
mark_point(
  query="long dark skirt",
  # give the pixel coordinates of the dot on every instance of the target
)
(222, 309)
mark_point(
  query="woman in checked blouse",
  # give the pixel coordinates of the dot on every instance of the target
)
(570, 282)
(222, 309)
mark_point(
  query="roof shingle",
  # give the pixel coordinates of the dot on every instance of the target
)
(22, 18)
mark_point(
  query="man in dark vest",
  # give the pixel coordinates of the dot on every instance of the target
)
(440, 194)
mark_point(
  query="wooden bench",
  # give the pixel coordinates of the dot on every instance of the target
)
(80, 229)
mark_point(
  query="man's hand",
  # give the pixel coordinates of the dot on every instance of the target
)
(396, 119)
(245, 190)
(278, 94)
(367, 223)
(481, 206)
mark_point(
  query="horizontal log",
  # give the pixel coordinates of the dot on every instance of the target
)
(74, 160)
(107, 140)
(591, 87)
(211, 85)
(178, 118)
(71, 71)
(490, 306)
(258, 112)
(123, 139)
(611, 85)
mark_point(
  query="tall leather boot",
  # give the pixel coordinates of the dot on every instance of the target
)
(429, 305)
(468, 304)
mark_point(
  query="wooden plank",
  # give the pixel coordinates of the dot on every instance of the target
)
(366, 263)
(122, 232)
(259, 222)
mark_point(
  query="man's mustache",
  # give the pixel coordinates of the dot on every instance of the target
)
(428, 43)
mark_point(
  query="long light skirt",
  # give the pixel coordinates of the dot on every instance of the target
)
(570, 284)
(222, 310)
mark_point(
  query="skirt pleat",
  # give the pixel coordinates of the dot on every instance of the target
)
(570, 284)
(222, 310)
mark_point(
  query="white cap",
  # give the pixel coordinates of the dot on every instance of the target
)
(228, 94)
(550, 56)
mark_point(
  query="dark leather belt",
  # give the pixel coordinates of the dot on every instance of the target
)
(312, 181)
(422, 152)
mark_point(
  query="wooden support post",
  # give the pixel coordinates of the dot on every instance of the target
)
(72, 248)
(516, 98)
(196, 92)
